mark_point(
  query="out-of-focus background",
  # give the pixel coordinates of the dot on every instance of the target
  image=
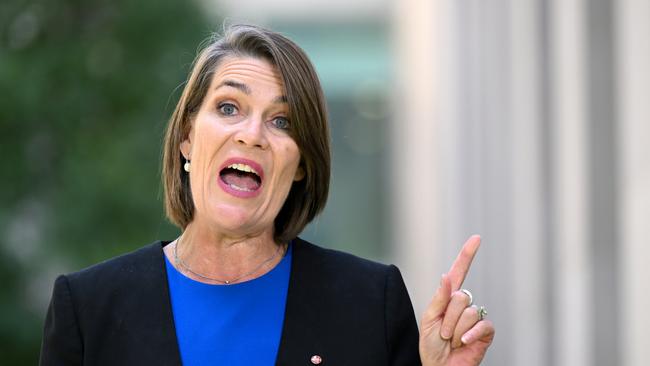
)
(527, 121)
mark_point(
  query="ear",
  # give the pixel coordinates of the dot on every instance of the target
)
(186, 149)
(186, 145)
(300, 174)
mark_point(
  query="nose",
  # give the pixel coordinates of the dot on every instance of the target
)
(252, 133)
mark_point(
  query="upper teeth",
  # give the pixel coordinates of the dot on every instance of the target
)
(243, 168)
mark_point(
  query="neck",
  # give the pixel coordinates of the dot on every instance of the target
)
(204, 255)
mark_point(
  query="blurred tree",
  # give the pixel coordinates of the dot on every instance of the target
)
(86, 88)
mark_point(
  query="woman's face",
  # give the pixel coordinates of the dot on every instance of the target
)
(243, 160)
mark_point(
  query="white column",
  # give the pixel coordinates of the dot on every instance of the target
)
(416, 165)
(529, 330)
(633, 34)
(573, 308)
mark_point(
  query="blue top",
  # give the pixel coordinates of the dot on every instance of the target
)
(238, 324)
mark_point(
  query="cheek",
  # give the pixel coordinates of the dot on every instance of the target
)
(210, 137)
(210, 128)
(287, 160)
(293, 160)
(292, 153)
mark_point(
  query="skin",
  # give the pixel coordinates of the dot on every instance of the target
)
(450, 333)
(243, 115)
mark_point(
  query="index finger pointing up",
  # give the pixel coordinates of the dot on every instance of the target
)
(461, 265)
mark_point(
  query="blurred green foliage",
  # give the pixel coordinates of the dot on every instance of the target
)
(86, 88)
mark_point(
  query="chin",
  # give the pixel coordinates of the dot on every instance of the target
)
(234, 218)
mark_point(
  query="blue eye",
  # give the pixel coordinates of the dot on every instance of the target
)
(227, 109)
(281, 123)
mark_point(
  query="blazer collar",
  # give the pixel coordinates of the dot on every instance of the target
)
(301, 339)
(158, 291)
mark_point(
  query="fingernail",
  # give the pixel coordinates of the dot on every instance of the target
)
(445, 333)
(465, 338)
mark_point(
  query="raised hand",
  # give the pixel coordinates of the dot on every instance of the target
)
(452, 332)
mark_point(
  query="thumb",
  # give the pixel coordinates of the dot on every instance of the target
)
(438, 304)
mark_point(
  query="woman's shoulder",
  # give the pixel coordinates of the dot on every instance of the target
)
(143, 261)
(334, 267)
(129, 282)
(321, 256)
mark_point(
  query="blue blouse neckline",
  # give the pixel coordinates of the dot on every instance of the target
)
(190, 281)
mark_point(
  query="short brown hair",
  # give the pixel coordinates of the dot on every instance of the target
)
(307, 113)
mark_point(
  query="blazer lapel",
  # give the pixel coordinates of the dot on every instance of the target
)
(300, 339)
(155, 288)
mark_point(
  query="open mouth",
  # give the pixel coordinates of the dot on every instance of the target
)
(241, 177)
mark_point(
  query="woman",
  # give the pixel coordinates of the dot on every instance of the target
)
(246, 166)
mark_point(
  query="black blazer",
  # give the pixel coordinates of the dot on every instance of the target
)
(348, 310)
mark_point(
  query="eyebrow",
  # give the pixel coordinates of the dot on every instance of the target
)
(247, 90)
(280, 99)
(237, 85)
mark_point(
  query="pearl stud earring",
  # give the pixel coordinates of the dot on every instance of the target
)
(186, 166)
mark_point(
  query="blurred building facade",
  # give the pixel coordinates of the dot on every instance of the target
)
(537, 113)
(525, 121)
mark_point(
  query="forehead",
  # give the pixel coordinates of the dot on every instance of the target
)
(249, 70)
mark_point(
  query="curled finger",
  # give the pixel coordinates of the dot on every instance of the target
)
(481, 331)
(467, 320)
(458, 303)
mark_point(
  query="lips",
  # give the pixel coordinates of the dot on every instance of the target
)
(241, 177)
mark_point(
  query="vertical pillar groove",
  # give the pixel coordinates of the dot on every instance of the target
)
(415, 217)
(528, 247)
(572, 289)
(633, 30)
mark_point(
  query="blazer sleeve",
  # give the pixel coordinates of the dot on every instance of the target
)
(61, 343)
(402, 334)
